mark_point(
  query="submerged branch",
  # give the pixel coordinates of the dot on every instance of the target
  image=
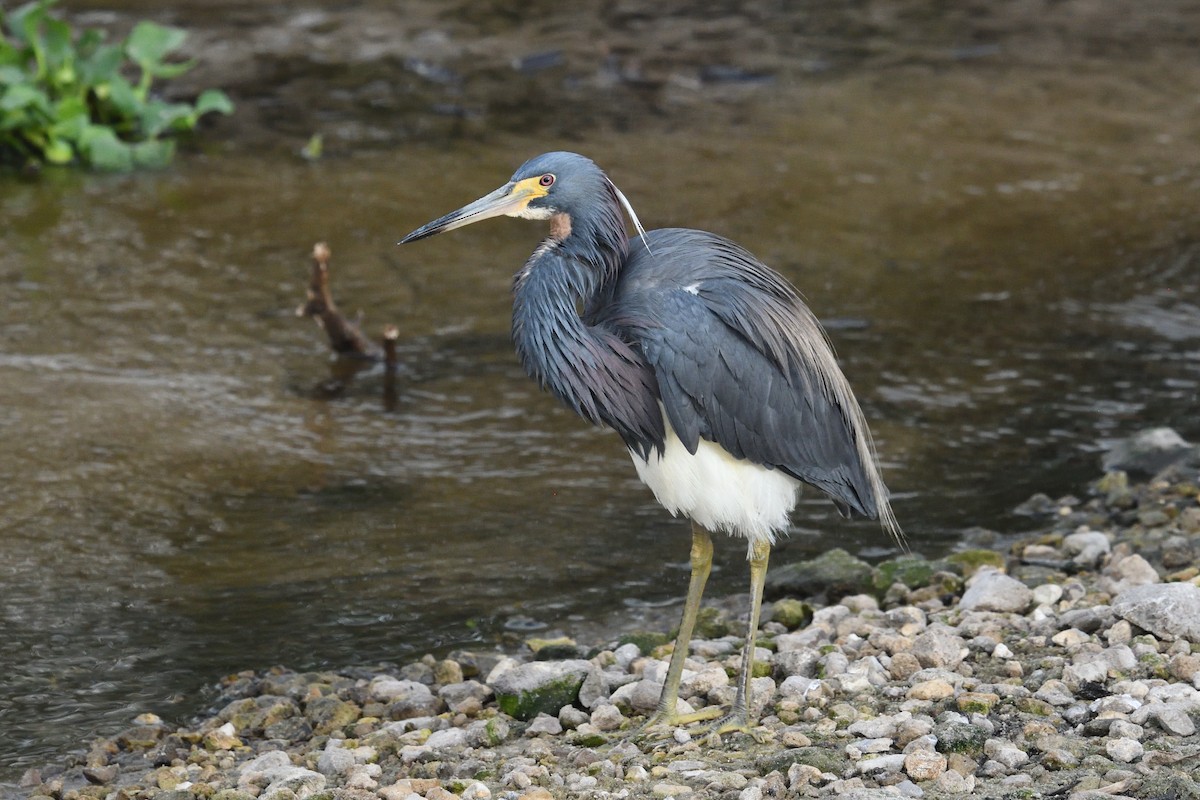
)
(344, 336)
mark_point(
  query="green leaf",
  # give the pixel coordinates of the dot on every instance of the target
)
(123, 98)
(25, 20)
(149, 43)
(104, 150)
(155, 154)
(213, 100)
(58, 151)
(157, 116)
(10, 75)
(56, 43)
(169, 70)
(100, 66)
(21, 96)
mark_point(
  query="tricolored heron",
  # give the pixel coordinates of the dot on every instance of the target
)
(705, 361)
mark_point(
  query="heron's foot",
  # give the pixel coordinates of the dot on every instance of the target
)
(661, 723)
(738, 721)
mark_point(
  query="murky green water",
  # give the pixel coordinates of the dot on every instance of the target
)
(1005, 255)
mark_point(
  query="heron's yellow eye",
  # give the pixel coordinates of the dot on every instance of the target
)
(546, 180)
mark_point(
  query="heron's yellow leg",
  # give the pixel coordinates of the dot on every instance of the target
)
(738, 718)
(665, 714)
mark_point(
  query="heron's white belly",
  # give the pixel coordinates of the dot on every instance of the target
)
(718, 491)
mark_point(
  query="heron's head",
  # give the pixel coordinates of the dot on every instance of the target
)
(545, 187)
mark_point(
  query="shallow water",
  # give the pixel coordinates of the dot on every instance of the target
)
(1004, 254)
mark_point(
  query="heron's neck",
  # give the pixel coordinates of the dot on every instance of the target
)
(590, 368)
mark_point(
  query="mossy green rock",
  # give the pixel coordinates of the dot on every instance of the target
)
(834, 574)
(822, 758)
(960, 737)
(792, 613)
(646, 641)
(969, 561)
(328, 714)
(710, 624)
(912, 571)
(539, 687)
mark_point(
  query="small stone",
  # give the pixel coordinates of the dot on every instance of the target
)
(1077, 675)
(449, 738)
(977, 702)
(1128, 573)
(936, 689)
(1005, 753)
(1048, 593)
(924, 765)
(1055, 692)
(904, 665)
(671, 790)
(607, 717)
(222, 738)
(463, 694)
(571, 717)
(101, 775)
(476, 791)
(954, 784)
(1124, 751)
(544, 723)
(991, 590)
(1086, 548)
(334, 760)
(1184, 666)
(878, 766)
(1071, 637)
(939, 646)
(296, 781)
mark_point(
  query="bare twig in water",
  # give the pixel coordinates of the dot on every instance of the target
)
(344, 336)
(390, 336)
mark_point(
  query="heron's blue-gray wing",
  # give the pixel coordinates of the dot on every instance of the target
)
(741, 361)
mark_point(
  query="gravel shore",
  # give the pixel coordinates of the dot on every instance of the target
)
(1066, 667)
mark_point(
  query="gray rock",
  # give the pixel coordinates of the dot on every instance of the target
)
(1171, 717)
(1124, 750)
(640, 697)
(881, 765)
(1168, 610)
(835, 574)
(607, 717)
(267, 761)
(334, 759)
(1147, 452)
(992, 590)
(1086, 548)
(939, 646)
(540, 687)
(455, 694)
(1055, 693)
(1005, 753)
(386, 689)
(296, 781)
(544, 723)
(451, 737)
(488, 732)
(1127, 573)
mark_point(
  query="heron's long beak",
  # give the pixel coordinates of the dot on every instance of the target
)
(510, 199)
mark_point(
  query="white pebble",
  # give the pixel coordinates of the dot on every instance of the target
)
(1124, 750)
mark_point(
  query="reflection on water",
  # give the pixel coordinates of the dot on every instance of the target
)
(178, 499)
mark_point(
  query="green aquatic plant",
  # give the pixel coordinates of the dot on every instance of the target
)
(68, 98)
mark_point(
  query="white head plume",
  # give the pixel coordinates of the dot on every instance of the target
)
(637, 223)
